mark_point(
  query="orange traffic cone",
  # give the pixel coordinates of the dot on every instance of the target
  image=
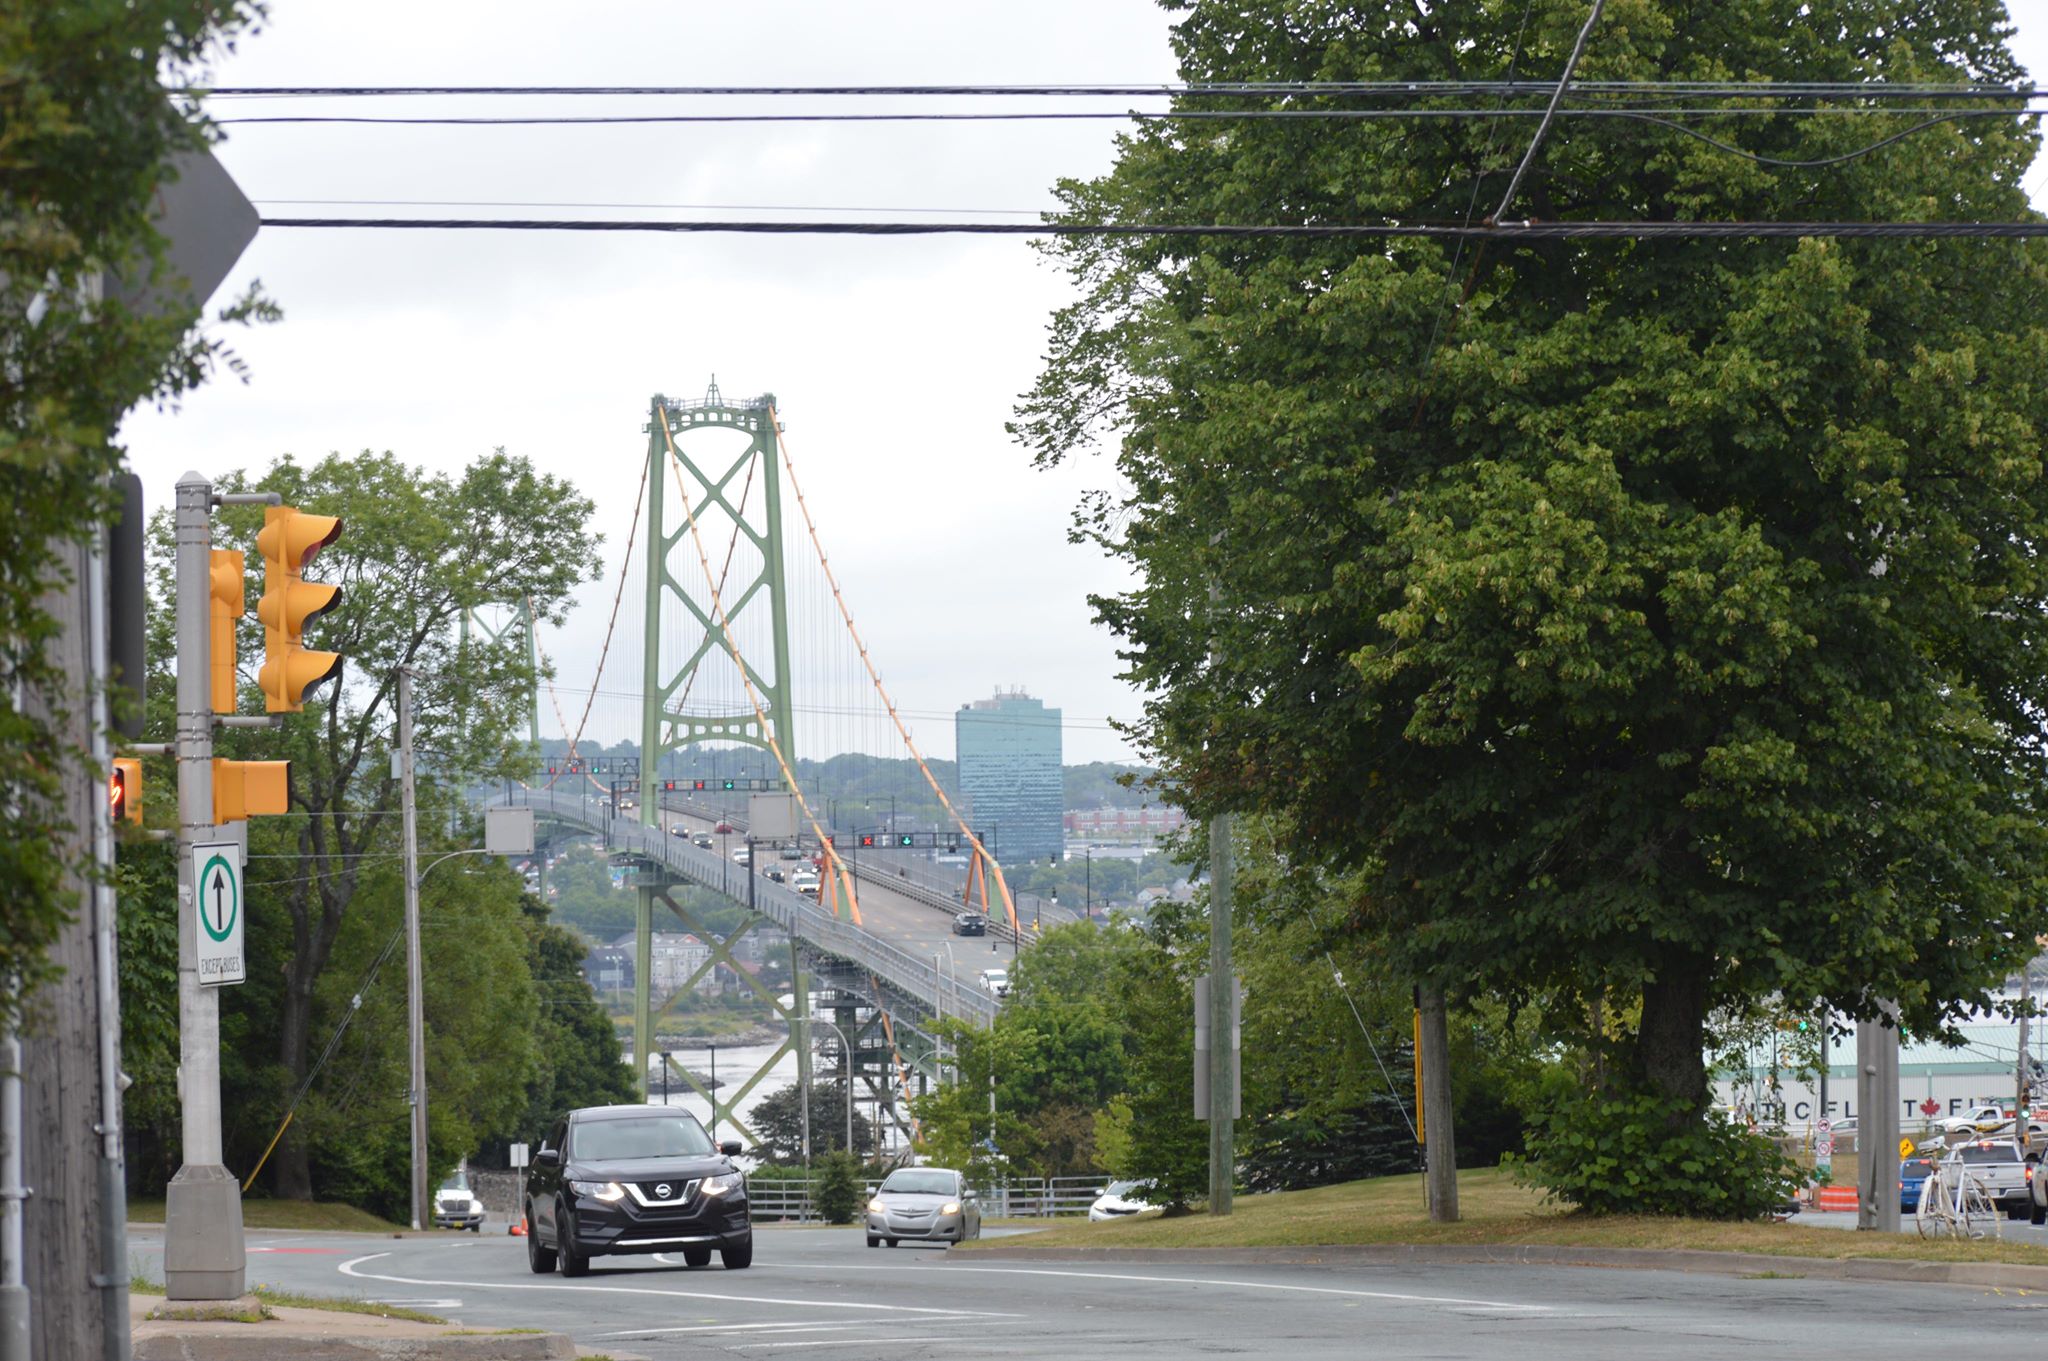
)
(518, 1229)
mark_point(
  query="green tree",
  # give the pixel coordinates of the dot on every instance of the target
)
(84, 92)
(1654, 622)
(778, 1120)
(579, 1060)
(839, 1187)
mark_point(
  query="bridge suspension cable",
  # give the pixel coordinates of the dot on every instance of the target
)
(839, 598)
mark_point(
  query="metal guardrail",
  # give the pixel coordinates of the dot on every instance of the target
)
(794, 1198)
(788, 909)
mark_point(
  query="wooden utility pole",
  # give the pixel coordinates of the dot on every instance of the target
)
(73, 1211)
(1439, 1149)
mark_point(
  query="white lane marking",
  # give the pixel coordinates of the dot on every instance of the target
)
(415, 1304)
(828, 1342)
(348, 1268)
(733, 1328)
(1197, 1280)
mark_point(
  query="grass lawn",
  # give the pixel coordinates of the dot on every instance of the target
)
(1497, 1210)
(283, 1214)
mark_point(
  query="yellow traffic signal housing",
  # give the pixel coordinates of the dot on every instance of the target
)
(124, 789)
(246, 789)
(288, 541)
(229, 602)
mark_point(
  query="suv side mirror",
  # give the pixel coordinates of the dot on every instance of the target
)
(730, 1148)
(547, 1157)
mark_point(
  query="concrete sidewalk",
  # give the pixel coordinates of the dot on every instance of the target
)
(321, 1335)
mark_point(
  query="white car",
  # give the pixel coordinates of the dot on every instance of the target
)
(1119, 1200)
(805, 881)
(996, 981)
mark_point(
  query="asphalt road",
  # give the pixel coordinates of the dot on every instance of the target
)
(820, 1292)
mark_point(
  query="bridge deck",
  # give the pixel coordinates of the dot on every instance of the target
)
(900, 941)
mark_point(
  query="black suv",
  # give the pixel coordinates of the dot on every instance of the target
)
(969, 924)
(618, 1179)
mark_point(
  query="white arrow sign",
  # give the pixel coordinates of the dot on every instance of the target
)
(217, 880)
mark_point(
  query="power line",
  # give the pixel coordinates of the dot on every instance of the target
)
(1084, 115)
(1532, 231)
(1200, 90)
(1564, 82)
(652, 207)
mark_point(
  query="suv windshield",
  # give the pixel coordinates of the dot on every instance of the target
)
(644, 1136)
(920, 1182)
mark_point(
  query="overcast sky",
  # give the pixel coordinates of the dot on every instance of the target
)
(894, 362)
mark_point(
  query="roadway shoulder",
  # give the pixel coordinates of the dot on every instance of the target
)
(2000, 1274)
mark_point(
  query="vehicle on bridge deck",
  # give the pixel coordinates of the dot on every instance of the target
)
(969, 924)
(702, 841)
(923, 1204)
(743, 856)
(634, 1179)
(996, 981)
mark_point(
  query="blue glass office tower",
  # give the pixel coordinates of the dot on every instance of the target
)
(1009, 752)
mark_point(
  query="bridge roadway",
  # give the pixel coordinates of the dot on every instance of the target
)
(906, 943)
(890, 876)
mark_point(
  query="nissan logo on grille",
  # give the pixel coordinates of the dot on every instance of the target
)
(662, 1190)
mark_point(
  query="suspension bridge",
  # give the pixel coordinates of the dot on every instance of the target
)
(748, 653)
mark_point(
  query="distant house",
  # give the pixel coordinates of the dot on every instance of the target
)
(674, 957)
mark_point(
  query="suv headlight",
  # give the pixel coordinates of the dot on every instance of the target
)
(723, 1183)
(598, 1190)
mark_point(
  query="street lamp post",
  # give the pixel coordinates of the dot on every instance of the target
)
(846, 1055)
(714, 1091)
(664, 1077)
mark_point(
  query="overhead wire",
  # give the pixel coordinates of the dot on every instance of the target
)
(1528, 230)
(1865, 89)
(1564, 82)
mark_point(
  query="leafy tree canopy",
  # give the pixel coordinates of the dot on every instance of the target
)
(1656, 620)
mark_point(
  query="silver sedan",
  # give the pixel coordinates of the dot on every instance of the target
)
(923, 1205)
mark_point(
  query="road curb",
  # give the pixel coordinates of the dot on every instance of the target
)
(1538, 1254)
(260, 1345)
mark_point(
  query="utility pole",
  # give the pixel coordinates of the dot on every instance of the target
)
(204, 1253)
(415, 1022)
(1222, 1020)
(1439, 1148)
(2020, 1103)
(1877, 1093)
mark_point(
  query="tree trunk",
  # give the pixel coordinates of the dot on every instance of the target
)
(292, 1174)
(1671, 1042)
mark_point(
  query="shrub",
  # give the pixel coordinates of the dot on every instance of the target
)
(1636, 1153)
(839, 1187)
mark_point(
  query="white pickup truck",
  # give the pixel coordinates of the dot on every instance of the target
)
(2005, 1173)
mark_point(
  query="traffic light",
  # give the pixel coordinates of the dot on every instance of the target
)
(668, 786)
(696, 784)
(867, 839)
(124, 789)
(228, 602)
(245, 789)
(728, 784)
(903, 839)
(288, 542)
